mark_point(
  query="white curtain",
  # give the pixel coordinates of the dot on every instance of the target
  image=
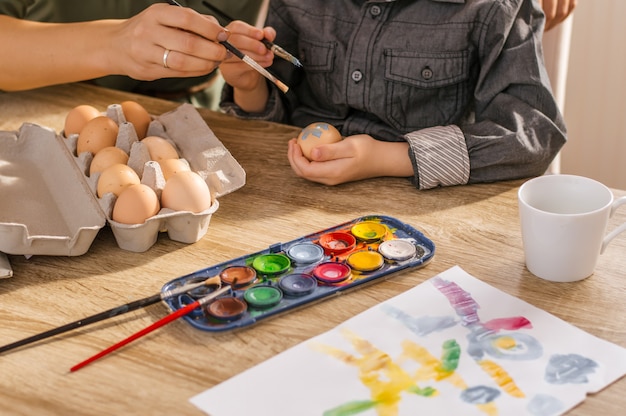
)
(556, 47)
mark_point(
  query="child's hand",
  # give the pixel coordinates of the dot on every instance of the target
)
(352, 159)
(556, 11)
(247, 39)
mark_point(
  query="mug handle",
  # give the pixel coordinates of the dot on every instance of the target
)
(610, 236)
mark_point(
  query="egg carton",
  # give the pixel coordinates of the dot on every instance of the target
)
(49, 203)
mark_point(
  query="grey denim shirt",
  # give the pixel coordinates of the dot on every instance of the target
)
(462, 81)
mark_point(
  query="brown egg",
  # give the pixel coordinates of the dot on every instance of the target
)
(136, 114)
(135, 204)
(115, 178)
(186, 191)
(107, 157)
(159, 148)
(171, 166)
(98, 133)
(77, 117)
(316, 134)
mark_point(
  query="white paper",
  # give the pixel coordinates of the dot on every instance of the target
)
(398, 358)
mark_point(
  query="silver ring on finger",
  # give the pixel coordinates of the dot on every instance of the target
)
(165, 55)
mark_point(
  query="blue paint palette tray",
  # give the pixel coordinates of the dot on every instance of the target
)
(290, 275)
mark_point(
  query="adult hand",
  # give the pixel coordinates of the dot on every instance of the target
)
(160, 42)
(165, 41)
(353, 158)
(556, 11)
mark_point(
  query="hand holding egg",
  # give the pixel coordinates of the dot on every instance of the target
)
(316, 134)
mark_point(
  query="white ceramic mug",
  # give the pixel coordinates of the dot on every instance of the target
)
(564, 222)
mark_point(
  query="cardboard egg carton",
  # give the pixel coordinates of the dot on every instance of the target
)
(50, 205)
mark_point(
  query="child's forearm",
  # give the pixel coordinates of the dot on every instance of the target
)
(252, 101)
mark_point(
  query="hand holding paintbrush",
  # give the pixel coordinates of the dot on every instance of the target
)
(245, 58)
(278, 51)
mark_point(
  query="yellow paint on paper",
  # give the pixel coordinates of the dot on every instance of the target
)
(501, 377)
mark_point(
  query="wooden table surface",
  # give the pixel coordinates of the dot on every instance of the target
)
(475, 227)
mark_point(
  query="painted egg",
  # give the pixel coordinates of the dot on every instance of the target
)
(316, 134)
(135, 204)
(107, 157)
(186, 191)
(115, 178)
(77, 117)
(98, 133)
(159, 148)
(136, 114)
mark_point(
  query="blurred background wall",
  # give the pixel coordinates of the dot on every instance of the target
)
(594, 100)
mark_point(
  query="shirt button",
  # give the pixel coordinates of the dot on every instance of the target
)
(427, 73)
(357, 76)
(375, 10)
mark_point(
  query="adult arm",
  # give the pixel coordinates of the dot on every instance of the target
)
(39, 54)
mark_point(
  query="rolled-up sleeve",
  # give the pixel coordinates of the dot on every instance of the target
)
(516, 128)
(439, 157)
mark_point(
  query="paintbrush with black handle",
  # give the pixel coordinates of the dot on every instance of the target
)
(254, 64)
(278, 51)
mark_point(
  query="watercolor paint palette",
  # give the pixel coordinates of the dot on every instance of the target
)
(290, 275)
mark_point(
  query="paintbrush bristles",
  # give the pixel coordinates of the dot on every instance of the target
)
(213, 280)
(280, 52)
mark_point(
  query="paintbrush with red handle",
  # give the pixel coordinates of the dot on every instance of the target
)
(118, 310)
(163, 321)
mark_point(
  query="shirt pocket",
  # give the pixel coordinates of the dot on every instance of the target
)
(425, 89)
(319, 60)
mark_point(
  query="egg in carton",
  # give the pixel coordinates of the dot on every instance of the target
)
(196, 146)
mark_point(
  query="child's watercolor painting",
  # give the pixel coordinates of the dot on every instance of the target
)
(452, 345)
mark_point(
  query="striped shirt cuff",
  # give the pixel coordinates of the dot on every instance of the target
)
(439, 155)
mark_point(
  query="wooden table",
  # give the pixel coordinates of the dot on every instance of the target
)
(475, 227)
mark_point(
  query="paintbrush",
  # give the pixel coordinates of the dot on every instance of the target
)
(254, 64)
(119, 310)
(280, 52)
(161, 322)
